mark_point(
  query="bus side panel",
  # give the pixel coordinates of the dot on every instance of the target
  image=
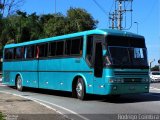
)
(26, 69)
(58, 74)
(8, 73)
(29, 73)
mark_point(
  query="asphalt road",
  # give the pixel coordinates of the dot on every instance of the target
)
(96, 107)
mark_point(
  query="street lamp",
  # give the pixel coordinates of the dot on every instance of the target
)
(159, 64)
(137, 26)
(150, 63)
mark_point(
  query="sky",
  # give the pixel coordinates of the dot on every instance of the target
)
(145, 12)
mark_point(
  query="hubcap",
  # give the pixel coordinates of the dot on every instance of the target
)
(79, 89)
(19, 83)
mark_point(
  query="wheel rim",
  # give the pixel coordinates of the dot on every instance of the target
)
(19, 82)
(79, 89)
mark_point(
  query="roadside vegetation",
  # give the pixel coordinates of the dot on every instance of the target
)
(155, 68)
(1, 116)
(17, 26)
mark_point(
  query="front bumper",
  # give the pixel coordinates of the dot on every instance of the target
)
(118, 89)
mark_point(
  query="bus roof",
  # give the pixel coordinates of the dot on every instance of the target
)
(89, 32)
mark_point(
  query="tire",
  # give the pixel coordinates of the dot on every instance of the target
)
(80, 89)
(19, 83)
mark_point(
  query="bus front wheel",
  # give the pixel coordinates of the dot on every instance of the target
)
(80, 89)
(19, 83)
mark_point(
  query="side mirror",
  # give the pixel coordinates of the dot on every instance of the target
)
(159, 61)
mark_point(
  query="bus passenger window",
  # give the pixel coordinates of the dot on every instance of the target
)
(19, 53)
(29, 52)
(68, 44)
(77, 45)
(89, 48)
(52, 49)
(60, 48)
(43, 50)
(9, 54)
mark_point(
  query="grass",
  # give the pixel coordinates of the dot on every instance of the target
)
(1, 116)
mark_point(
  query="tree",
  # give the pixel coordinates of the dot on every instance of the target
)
(22, 27)
(80, 20)
(27, 27)
(155, 68)
(6, 32)
(35, 27)
(55, 26)
(76, 20)
(9, 7)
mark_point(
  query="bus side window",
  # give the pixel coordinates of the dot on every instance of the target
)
(29, 52)
(68, 44)
(76, 46)
(19, 52)
(60, 48)
(89, 49)
(52, 49)
(42, 50)
(73, 47)
(9, 54)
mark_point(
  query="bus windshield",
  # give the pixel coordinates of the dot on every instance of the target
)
(128, 56)
(126, 51)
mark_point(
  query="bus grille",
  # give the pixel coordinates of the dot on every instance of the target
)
(132, 80)
(120, 73)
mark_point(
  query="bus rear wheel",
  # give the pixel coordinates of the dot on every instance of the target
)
(80, 89)
(19, 83)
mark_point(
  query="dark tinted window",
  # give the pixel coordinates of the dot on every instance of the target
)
(9, 54)
(89, 48)
(52, 49)
(137, 42)
(29, 52)
(125, 41)
(68, 47)
(43, 49)
(59, 48)
(19, 53)
(76, 48)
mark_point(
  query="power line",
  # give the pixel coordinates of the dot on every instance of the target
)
(101, 8)
(111, 6)
(146, 18)
(116, 17)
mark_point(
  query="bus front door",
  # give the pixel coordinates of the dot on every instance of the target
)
(98, 67)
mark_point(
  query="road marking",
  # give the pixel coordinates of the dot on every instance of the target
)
(61, 108)
(42, 103)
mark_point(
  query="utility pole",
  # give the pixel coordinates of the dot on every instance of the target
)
(120, 15)
(150, 64)
(112, 18)
(116, 17)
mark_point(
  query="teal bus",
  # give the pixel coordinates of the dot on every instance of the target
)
(101, 62)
